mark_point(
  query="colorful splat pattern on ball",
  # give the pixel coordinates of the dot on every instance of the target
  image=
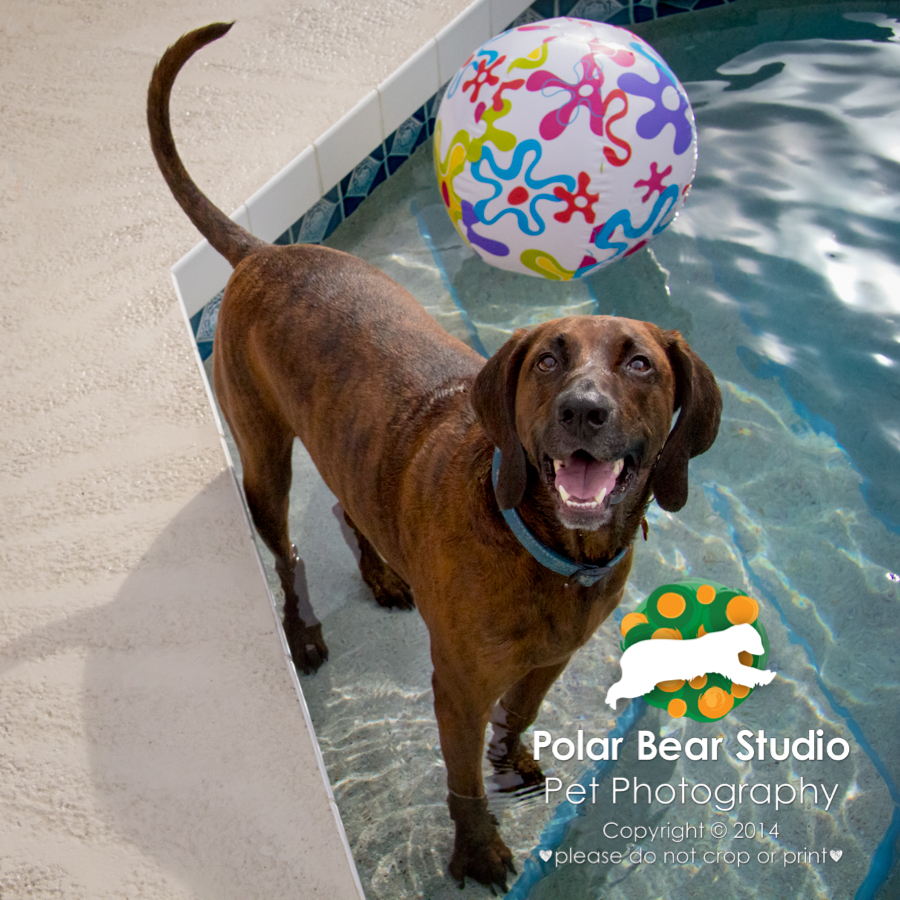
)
(563, 146)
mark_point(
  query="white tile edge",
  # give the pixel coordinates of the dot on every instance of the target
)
(350, 127)
(464, 31)
(295, 679)
(428, 54)
(274, 207)
(504, 12)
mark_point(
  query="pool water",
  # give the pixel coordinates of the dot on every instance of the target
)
(783, 273)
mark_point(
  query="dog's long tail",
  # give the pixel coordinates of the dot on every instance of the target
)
(232, 241)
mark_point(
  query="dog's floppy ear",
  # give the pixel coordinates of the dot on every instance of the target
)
(494, 399)
(697, 396)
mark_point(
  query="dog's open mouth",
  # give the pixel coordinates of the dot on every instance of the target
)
(585, 484)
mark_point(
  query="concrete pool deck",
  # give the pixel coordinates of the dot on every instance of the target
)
(151, 741)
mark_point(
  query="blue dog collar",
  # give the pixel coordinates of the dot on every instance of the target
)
(584, 574)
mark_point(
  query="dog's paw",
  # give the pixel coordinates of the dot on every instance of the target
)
(487, 863)
(523, 781)
(478, 850)
(308, 648)
(388, 588)
(515, 769)
(396, 595)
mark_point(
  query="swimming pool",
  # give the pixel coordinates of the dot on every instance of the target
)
(783, 273)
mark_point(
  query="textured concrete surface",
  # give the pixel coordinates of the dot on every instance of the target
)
(151, 743)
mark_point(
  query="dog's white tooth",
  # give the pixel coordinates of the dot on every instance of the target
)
(617, 468)
(599, 498)
(563, 493)
(556, 464)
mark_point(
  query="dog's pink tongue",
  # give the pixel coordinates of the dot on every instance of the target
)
(584, 478)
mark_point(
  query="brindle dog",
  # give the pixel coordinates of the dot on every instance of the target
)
(402, 421)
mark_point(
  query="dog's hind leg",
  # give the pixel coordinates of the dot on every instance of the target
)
(265, 448)
(514, 764)
(301, 627)
(389, 589)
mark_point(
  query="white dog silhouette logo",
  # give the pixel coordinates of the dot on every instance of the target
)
(694, 648)
(646, 664)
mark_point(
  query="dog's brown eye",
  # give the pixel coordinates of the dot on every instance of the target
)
(547, 363)
(639, 364)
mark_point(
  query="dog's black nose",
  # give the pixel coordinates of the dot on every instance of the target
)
(583, 412)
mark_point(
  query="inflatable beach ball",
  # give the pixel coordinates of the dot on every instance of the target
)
(690, 609)
(562, 146)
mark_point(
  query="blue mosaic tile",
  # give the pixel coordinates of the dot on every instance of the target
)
(350, 204)
(356, 186)
(336, 220)
(403, 142)
(431, 108)
(195, 321)
(546, 9)
(622, 18)
(706, 4)
(407, 137)
(667, 9)
(644, 13)
(599, 10)
(206, 327)
(321, 219)
(529, 17)
(203, 325)
(361, 181)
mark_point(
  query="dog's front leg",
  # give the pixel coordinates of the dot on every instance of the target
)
(301, 627)
(478, 849)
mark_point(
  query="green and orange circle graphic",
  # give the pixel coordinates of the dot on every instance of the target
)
(689, 609)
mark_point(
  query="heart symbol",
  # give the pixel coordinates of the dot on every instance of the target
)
(546, 854)
(836, 854)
